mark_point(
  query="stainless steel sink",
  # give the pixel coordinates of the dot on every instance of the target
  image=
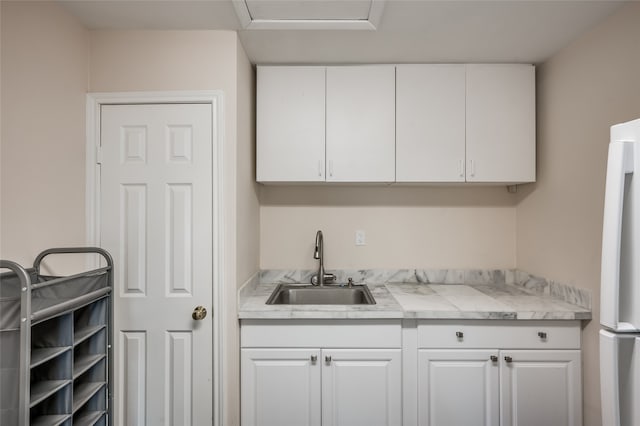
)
(292, 294)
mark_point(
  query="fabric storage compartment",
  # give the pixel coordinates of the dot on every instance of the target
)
(54, 409)
(50, 338)
(49, 377)
(93, 412)
(90, 372)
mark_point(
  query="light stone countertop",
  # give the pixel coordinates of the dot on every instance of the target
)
(424, 301)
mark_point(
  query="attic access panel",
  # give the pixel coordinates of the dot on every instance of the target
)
(309, 14)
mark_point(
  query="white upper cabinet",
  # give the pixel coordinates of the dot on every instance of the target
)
(290, 124)
(407, 123)
(361, 124)
(430, 123)
(501, 123)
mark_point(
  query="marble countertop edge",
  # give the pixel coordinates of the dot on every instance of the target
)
(421, 301)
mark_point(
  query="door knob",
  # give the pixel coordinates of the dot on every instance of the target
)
(199, 313)
(494, 358)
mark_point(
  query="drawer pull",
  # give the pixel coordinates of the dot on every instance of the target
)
(508, 359)
(314, 358)
(459, 334)
(542, 335)
(494, 358)
(327, 359)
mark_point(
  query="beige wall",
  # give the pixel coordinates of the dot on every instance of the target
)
(582, 91)
(248, 204)
(247, 213)
(44, 82)
(406, 227)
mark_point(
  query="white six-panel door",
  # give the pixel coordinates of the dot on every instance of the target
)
(156, 220)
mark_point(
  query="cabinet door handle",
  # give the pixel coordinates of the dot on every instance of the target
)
(331, 168)
(542, 335)
(320, 168)
(493, 358)
(461, 168)
(508, 359)
(314, 358)
(327, 359)
(459, 334)
(473, 167)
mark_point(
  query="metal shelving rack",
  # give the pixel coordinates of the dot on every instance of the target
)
(56, 335)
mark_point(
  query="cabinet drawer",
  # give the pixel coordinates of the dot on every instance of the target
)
(321, 333)
(505, 334)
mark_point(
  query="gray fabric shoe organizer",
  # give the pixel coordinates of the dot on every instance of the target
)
(55, 340)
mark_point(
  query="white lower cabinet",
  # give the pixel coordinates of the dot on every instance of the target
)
(329, 387)
(361, 387)
(464, 381)
(540, 388)
(281, 387)
(458, 387)
(352, 378)
(429, 373)
(492, 388)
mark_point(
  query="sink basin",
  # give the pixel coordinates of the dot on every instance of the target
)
(291, 294)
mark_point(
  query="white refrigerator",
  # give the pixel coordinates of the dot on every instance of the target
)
(620, 280)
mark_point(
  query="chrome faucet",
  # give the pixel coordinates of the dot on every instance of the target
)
(320, 278)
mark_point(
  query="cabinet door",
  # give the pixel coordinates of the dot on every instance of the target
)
(430, 123)
(361, 124)
(290, 124)
(458, 387)
(501, 144)
(280, 387)
(361, 387)
(540, 388)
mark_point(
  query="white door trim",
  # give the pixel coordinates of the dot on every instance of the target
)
(216, 100)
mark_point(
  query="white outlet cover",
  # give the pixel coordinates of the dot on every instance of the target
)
(361, 237)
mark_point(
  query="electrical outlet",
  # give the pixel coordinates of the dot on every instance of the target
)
(360, 238)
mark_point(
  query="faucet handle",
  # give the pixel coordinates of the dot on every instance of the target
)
(328, 278)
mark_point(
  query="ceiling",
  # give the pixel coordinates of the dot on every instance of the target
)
(409, 31)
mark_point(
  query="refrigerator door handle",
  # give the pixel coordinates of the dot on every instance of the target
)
(620, 163)
(609, 379)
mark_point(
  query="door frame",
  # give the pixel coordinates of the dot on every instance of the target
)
(214, 98)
